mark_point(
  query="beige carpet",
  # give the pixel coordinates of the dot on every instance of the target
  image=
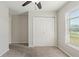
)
(20, 50)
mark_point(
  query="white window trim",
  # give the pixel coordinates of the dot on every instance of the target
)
(67, 33)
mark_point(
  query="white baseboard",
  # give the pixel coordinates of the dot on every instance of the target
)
(4, 52)
(65, 52)
(17, 42)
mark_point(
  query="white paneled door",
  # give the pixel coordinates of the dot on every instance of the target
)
(43, 31)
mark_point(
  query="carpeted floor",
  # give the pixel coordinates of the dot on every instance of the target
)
(21, 50)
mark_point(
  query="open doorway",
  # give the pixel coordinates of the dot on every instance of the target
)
(19, 30)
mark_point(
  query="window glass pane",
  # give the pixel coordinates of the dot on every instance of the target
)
(74, 31)
(74, 14)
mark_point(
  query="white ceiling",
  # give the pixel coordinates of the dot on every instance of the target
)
(17, 8)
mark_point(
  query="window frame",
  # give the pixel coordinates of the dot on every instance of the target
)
(67, 25)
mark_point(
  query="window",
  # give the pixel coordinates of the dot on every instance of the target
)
(74, 28)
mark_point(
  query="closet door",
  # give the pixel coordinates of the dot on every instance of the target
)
(43, 31)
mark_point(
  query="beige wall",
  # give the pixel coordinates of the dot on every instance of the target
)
(62, 28)
(4, 29)
(33, 14)
(20, 29)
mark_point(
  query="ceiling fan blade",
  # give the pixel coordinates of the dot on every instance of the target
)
(26, 3)
(39, 5)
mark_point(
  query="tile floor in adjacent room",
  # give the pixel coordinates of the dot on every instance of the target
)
(18, 50)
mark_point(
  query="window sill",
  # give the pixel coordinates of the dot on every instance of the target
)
(73, 46)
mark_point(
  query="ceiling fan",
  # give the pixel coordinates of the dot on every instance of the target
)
(28, 2)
